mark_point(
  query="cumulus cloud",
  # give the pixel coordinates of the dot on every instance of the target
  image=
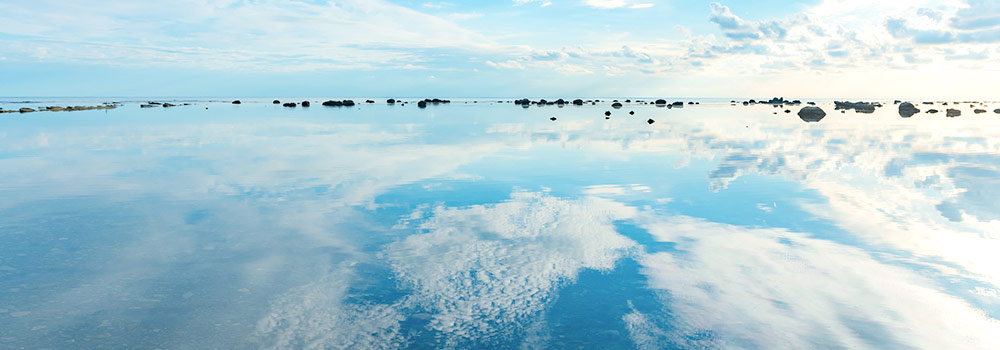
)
(758, 288)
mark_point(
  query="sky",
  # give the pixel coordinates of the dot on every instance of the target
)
(559, 48)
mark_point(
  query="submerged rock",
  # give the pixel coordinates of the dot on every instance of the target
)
(907, 110)
(811, 114)
(951, 113)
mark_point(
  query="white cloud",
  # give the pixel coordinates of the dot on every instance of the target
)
(486, 268)
(769, 288)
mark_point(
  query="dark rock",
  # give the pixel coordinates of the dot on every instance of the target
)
(607, 113)
(951, 113)
(290, 104)
(745, 103)
(276, 102)
(651, 121)
(997, 111)
(932, 111)
(616, 105)
(858, 107)
(560, 102)
(811, 103)
(168, 105)
(552, 119)
(788, 111)
(390, 101)
(305, 104)
(578, 102)
(907, 110)
(237, 102)
(332, 103)
(678, 104)
(522, 101)
(25, 110)
(979, 111)
(347, 103)
(606, 118)
(422, 104)
(661, 102)
(928, 103)
(147, 105)
(369, 101)
(811, 114)
(631, 112)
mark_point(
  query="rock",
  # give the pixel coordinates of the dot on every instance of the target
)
(146, 105)
(348, 103)
(25, 110)
(607, 113)
(552, 119)
(332, 103)
(927, 103)
(788, 111)
(811, 103)
(907, 110)
(651, 121)
(523, 102)
(560, 102)
(745, 103)
(616, 105)
(168, 105)
(290, 104)
(932, 111)
(997, 111)
(578, 102)
(390, 101)
(237, 102)
(858, 107)
(422, 104)
(369, 101)
(305, 104)
(606, 118)
(678, 104)
(951, 113)
(979, 111)
(631, 112)
(661, 102)
(276, 102)
(811, 114)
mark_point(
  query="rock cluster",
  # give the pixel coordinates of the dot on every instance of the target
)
(332, 103)
(858, 107)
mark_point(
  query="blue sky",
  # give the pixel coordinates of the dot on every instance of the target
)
(818, 48)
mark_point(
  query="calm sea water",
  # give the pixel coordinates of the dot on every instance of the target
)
(485, 225)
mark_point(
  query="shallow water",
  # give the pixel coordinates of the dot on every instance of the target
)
(475, 225)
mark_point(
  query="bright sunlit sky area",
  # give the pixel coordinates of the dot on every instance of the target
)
(562, 48)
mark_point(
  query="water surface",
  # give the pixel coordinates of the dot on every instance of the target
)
(486, 225)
